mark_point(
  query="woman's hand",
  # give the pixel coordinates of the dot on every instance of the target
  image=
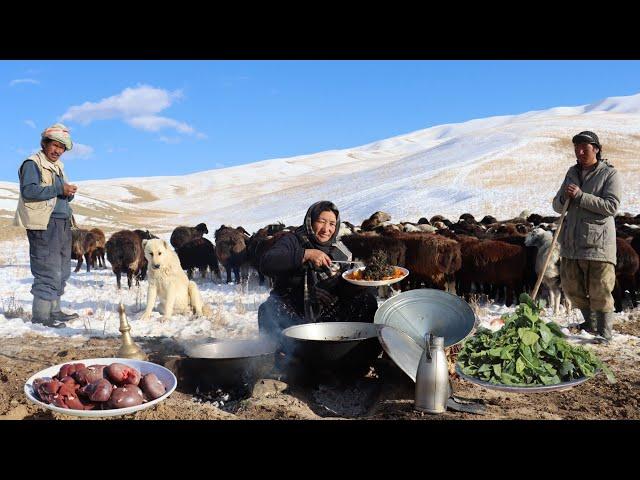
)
(317, 257)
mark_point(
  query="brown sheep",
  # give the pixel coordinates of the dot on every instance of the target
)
(83, 243)
(488, 220)
(430, 258)
(125, 254)
(231, 250)
(508, 229)
(628, 219)
(437, 218)
(99, 252)
(492, 262)
(466, 227)
(375, 220)
(182, 235)
(627, 266)
(363, 246)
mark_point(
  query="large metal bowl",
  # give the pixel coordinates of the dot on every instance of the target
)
(344, 347)
(225, 363)
(426, 310)
(523, 389)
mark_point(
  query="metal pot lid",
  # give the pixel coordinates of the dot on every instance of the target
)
(226, 349)
(402, 349)
(426, 310)
(332, 331)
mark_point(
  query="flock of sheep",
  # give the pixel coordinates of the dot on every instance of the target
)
(498, 258)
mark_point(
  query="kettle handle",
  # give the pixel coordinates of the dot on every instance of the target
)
(427, 340)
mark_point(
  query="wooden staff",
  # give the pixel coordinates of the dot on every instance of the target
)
(534, 294)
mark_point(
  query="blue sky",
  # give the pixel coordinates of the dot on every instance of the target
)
(145, 118)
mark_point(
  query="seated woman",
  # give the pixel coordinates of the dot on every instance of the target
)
(306, 288)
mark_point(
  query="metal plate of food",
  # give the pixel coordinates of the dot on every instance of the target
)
(522, 389)
(163, 374)
(355, 276)
(426, 310)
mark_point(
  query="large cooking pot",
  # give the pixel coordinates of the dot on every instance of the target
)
(340, 347)
(225, 363)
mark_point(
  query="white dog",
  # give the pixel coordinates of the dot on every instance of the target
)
(168, 281)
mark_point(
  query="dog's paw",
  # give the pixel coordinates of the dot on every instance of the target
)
(145, 316)
(164, 319)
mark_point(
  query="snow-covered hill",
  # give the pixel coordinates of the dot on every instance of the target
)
(497, 165)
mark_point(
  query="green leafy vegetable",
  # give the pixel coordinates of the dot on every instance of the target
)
(527, 352)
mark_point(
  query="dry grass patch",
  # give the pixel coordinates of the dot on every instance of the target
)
(141, 195)
(121, 218)
(10, 232)
(444, 178)
(11, 308)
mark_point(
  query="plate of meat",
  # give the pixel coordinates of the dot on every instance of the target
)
(363, 277)
(100, 387)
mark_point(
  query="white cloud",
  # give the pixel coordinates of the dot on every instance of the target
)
(79, 151)
(170, 140)
(18, 81)
(154, 123)
(131, 102)
(112, 149)
(138, 107)
(31, 123)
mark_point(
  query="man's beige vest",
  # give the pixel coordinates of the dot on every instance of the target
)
(34, 214)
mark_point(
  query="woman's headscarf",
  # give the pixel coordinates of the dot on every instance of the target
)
(305, 232)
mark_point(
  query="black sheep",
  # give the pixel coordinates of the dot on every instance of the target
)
(198, 253)
(182, 234)
(125, 253)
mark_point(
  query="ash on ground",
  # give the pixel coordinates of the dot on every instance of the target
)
(226, 400)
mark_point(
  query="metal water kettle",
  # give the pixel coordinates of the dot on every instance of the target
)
(432, 377)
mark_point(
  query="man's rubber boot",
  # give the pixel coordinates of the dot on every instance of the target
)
(605, 325)
(58, 315)
(589, 324)
(41, 313)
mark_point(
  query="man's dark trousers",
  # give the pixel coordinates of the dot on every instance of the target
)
(50, 255)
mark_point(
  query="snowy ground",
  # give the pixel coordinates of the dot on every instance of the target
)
(96, 298)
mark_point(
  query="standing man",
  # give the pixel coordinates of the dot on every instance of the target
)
(588, 238)
(43, 209)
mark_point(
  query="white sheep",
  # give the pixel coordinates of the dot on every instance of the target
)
(542, 240)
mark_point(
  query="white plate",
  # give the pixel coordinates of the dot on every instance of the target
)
(373, 283)
(164, 375)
